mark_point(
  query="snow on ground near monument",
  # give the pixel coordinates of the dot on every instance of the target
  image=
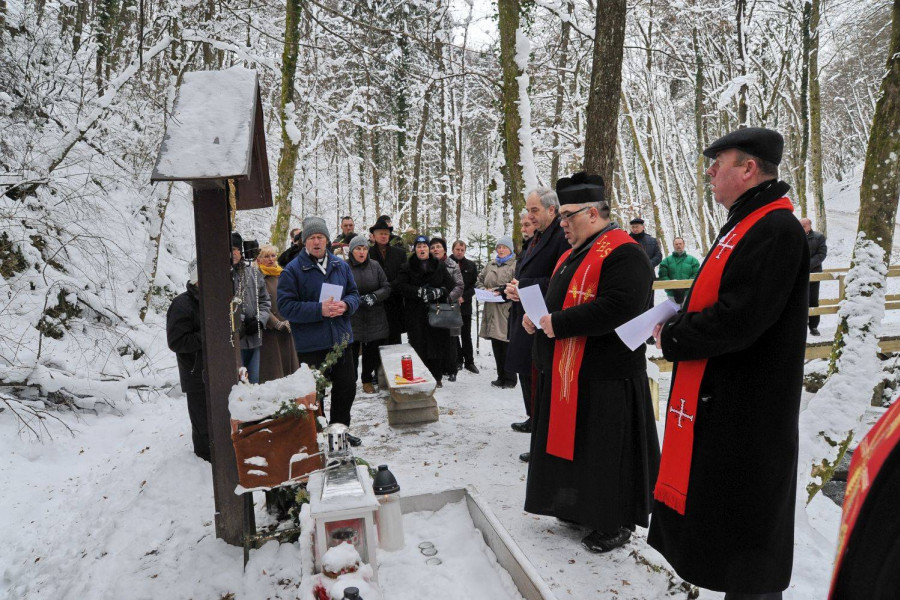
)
(125, 510)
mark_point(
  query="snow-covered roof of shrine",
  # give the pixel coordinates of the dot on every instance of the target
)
(210, 132)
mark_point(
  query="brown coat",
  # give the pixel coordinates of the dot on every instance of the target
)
(277, 357)
(495, 314)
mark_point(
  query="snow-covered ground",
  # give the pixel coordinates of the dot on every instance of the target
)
(123, 509)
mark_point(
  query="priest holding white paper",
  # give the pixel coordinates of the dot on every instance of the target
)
(594, 452)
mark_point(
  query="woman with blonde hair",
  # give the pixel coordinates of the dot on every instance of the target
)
(277, 356)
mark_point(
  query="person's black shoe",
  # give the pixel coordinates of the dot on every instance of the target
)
(498, 383)
(471, 368)
(354, 441)
(597, 541)
(523, 427)
(451, 377)
(525, 457)
(509, 384)
(814, 331)
(651, 341)
(439, 384)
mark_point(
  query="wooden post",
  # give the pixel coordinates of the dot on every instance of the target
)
(220, 357)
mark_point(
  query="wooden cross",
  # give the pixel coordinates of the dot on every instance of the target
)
(681, 414)
(724, 245)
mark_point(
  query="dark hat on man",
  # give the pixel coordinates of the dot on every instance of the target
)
(237, 241)
(580, 188)
(421, 239)
(381, 223)
(637, 221)
(438, 240)
(766, 144)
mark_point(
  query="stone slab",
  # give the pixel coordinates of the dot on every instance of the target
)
(409, 403)
(412, 416)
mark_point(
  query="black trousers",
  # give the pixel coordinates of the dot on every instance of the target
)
(196, 405)
(371, 359)
(464, 352)
(342, 375)
(499, 349)
(813, 303)
(451, 367)
(525, 384)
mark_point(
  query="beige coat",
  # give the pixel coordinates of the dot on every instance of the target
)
(277, 356)
(495, 315)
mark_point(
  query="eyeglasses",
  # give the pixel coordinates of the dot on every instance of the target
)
(568, 216)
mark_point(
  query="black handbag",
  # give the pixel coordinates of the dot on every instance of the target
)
(444, 315)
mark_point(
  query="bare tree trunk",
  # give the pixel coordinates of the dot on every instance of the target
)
(376, 171)
(699, 163)
(815, 120)
(880, 187)
(417, 161)
(287, 160)
(508, 12)
(562, 60)
(742, 56)
(804, 113)
(602, 119)
(444, 158)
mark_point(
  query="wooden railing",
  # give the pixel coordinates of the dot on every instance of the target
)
(815, 347)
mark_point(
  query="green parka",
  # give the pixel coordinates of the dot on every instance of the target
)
(676, 266)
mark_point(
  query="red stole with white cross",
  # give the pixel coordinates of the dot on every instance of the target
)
(678, 442)
(568, 353)
(867, 461)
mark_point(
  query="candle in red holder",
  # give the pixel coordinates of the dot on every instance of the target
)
(406, 366)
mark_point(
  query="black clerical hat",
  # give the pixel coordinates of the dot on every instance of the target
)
(580, 188)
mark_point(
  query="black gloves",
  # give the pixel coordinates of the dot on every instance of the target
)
(250, 327)
(369, 300)
(430, 294)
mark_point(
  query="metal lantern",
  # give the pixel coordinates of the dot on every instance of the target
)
(342, 503)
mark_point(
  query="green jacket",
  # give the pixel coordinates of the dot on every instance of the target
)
(678, 267)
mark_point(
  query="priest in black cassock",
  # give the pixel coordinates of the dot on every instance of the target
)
(724, 516)
(594, 451)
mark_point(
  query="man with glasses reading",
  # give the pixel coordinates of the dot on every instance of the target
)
(594, 451)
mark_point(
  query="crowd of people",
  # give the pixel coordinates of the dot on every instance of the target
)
(721, 520)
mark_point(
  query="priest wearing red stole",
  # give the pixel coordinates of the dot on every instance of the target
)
(724, 511)
(594, 450)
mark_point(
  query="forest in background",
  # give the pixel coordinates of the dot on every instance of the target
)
(388, 106)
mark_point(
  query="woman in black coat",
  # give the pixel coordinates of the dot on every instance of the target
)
(370, 324)
(424, 280)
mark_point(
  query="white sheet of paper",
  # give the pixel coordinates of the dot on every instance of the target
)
(330, 290)
(486, 296)
(636, 331)
(532, 299)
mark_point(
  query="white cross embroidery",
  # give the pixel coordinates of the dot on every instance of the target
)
(681, 414)
(724, 245)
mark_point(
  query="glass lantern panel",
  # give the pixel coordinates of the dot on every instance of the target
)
(348, 530)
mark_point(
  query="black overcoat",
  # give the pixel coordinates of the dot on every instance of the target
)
(391, 262)
(429, 342)
(737, 533)
(183, 338)
(369, 322)
(609, 482)
(534, 268)
(469, 272)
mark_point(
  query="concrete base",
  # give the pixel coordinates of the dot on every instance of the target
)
(407, 404)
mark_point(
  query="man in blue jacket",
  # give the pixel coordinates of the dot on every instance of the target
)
(319, 326)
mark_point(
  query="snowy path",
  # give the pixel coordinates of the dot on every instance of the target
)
(124, 509)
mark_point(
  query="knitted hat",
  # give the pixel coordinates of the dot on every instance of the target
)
(314, 225)
(193, 273)
(358, 241)
(237, 241)
(506, 240)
